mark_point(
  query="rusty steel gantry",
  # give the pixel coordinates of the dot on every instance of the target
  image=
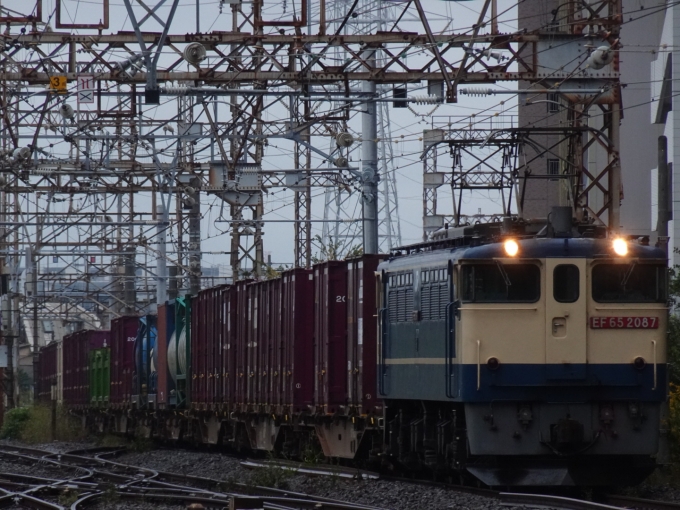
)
(110, 142)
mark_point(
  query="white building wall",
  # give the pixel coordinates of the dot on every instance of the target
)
(672, 130)
(669, 42)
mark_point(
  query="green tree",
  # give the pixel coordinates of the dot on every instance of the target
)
(674, 327)
(335, 250)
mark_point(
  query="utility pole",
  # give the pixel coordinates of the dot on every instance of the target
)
(369, 160)
(130, 285)
(195, 239)
(161, 265)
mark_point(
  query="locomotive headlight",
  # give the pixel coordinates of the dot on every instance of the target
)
(511, 247)
(620, 247)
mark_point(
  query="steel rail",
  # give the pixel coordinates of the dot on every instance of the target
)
(12, 498)
(143, 483)
(298, 467)
(647, 504)
(161, 480)
(519, 499)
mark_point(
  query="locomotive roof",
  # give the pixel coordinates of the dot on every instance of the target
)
(531, 248)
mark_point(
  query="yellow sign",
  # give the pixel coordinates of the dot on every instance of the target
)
(58, 83)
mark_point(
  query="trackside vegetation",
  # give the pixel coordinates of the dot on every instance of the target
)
(34, 425)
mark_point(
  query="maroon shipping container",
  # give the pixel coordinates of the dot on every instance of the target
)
(297, 341)
(77, 347)
(257, 311)
(330, 336)
(215, 347)
(207, 332)
(229, 365)
(71, 364)
(267, 337)
(239, 340)
(272, 366)
(198, 339)
(47, 372)
(362, 331)
(123, 334)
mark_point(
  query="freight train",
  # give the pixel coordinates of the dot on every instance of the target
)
(506, 353)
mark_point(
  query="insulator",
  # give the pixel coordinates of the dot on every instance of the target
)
(66, 111)
(477, 91)
(129, 67)
(180, 90)
(194, 53)
(43, 170)
(341, 162)
(22, 153)
(601, 57)
(344, 139)
(426, 99)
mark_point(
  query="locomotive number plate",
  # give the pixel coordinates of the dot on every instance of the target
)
(624, 322)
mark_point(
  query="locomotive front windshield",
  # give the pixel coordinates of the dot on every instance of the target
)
(501, 283)
(629, 283)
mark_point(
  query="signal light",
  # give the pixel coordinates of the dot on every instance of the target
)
(620, 247)
(511, 247)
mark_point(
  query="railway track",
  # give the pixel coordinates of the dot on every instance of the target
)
(91, 477)
(94, 478)
(612, 502)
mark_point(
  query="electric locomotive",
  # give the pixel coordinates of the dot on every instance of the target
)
(522, 355)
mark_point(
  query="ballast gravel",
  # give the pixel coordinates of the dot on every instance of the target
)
(378, 493)
(388, 495)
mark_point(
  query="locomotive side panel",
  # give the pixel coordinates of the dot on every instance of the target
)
(420, 360)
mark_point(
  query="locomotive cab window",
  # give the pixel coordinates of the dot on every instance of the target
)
(629, 283)
(566, 283)
(501, 283)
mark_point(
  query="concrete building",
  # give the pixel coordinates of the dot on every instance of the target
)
(661, 75)
(647, 25)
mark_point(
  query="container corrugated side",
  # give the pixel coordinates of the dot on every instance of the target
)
(297, 339)
(330, 336)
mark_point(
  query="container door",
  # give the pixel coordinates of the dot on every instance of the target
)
(566, 321)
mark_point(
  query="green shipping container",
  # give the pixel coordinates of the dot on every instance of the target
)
(100, 376)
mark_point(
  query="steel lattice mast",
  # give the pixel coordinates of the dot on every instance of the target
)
(112, 191)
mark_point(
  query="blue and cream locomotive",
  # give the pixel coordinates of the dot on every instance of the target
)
(524, 358)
